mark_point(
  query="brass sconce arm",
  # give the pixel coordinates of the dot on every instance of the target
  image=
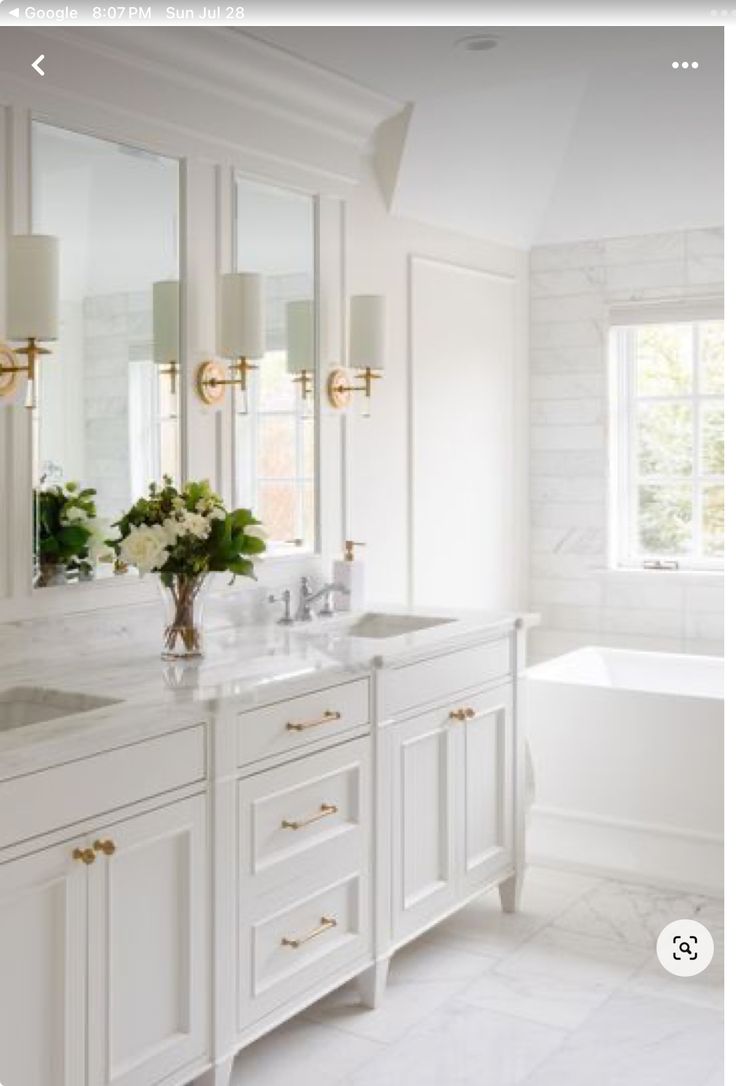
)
(211, 380)
(10, 368)
(339, 389)
(305, 380)
(170, 370)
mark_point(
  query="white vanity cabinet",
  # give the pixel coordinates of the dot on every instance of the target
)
(304, 852)
(104, 933)
(452, 821)
(43, 969)
(165, 902)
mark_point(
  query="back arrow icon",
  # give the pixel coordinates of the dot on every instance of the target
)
(37, 64)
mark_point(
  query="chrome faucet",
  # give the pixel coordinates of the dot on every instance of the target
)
(307, 598)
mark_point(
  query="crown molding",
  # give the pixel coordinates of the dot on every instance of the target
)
(227, 89)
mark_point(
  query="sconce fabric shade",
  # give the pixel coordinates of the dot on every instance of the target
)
(33, 287)
(242, 327)
(367, 331)
(166, 322)
(300, 336)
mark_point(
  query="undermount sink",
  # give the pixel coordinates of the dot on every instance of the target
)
(23, 705)
(375, 624)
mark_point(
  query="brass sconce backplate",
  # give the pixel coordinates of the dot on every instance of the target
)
(8, 377)
(338, 388)
(210, 389)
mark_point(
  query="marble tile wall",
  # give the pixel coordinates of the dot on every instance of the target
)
(581, 602)
(117, 328)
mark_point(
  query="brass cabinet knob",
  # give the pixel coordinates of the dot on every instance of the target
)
(84, 855)
(105, 845)
(458, 715)
(469, 713)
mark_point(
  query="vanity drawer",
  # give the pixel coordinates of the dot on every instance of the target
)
(290, 725)
(444, 676)
(285, 953)
(310, 816)
(53, 798)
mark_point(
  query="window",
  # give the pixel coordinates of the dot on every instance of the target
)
(668, 444)
(278, 432)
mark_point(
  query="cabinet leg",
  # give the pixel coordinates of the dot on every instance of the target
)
(219, 1075)
(372, 983)
(510, 892)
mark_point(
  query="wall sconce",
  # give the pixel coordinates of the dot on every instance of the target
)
(242, 335)
(33, 306)
(367, 352)
(166, 329)
(300, 344)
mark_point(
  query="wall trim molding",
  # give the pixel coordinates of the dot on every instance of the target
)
(662, 854)
(258, 99)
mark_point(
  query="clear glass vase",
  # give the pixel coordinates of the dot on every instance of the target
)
(184, 601)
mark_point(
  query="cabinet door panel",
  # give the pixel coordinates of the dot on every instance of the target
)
(485, 788)
(423, 801)
(147, 946)
(43, 963)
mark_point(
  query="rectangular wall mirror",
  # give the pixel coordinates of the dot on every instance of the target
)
(108, 402)
(275, 436)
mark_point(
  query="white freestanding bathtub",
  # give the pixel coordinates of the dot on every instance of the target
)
(627, 750)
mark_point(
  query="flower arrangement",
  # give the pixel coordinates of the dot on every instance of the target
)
(70, 535)
(183, 536)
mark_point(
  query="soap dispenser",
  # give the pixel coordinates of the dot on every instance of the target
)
(351, 574)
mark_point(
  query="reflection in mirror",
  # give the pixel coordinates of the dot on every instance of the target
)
(106, 422)
(274, 420)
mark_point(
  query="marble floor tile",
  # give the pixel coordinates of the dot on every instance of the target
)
(461, 1045)
(705, 990)
(557, 977)
(632, 914)
(302, 1051)
(427, 961)
(484, 928)
(634, 1040)
(404, 1005)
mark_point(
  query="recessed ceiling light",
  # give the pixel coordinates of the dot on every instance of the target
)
(476, 43)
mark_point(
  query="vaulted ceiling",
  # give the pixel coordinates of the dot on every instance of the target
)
(552, 134)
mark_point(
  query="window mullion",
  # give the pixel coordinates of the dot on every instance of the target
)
(697, 482)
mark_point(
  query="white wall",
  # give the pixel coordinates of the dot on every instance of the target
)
(379, 460)
(571, 289)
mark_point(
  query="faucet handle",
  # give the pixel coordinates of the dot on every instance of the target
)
(285, 598)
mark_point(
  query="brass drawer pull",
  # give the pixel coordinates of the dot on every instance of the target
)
(325, 924)
(84, 855)
(325, 810)
(469, 713)
(304, 725)
(106, 846)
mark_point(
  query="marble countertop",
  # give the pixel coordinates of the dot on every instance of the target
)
(250, 664)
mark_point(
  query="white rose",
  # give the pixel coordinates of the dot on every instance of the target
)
(257, 531)
(197, 525)
(173, 528)
(217, 513)
(73, 515)
(145, 548)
